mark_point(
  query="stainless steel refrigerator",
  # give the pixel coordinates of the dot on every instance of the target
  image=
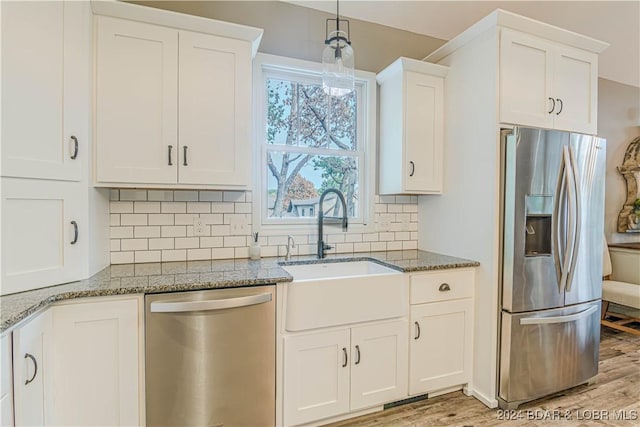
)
(553, 214)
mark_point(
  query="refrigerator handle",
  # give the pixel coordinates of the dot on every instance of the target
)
(555, 224)
(558, 319)
(577, 223)
(571, 217)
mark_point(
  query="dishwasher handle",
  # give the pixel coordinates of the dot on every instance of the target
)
(216, 304)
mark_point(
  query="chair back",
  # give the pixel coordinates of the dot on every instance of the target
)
(606, 259)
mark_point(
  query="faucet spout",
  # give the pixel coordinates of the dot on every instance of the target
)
(322, 247)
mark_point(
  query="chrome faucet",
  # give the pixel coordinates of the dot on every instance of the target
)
(322, 247)
(290, 244)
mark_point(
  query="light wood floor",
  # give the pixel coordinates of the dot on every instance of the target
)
(617, 389)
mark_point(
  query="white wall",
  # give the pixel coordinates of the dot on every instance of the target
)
(619, 123)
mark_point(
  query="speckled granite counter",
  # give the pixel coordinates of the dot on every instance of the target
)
(195, 275)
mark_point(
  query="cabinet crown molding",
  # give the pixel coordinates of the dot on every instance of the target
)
(178, 20)
(408, 64)
(502, 18)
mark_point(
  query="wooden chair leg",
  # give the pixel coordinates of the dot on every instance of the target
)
(605, 308)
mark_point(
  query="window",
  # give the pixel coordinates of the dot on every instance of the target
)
(308, 142)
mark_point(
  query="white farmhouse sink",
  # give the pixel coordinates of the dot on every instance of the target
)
(341, 293)
(336, 269)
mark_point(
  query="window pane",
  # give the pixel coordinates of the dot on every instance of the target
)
(342, 122)
(282, 126)
(313, 122)
(295, 182)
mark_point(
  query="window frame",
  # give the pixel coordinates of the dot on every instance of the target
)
(272, 66)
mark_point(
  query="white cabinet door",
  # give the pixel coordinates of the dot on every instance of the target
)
(575, 88)
(97, 363)
(45, 88)
(43, 236)
(316, 376)
(440, 349)
(423, 133)
(526, 70)
(136, 102)
(32, 355)
(6, 381)
(215, 110)
(379, 364)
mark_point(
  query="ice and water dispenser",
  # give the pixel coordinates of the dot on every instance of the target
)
(538, 222)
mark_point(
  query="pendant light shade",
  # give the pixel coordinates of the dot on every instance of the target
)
(337, 59)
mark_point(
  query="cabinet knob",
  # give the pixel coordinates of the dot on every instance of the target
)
(346, 358)
(35, 368)
(553, 105)
(417, 330)
(413, 168)
(444, 287)
(75, 147)
(560, 102)
(75, 232)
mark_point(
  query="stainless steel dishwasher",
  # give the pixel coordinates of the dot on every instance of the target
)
(210, 357)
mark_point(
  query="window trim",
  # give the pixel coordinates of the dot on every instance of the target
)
(271, 65)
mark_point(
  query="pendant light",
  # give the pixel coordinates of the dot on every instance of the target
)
(337, 58)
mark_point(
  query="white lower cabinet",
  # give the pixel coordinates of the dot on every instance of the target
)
(31, 371)
(79, 363)
(440, 345)
(331, 373)
(6, 381)
(96, 362)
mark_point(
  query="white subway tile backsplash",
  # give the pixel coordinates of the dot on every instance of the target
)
(157, 225)
(173, 207)
(187, 242)
(185, 196)
(210, 196)
(133, 195)
(146, 207)
(150, 231)
(121, 207)
(173, 231)
(160, 196)
(161, 243)
(133, 244)
(133, 219)
(148, 256)
(121, 232)
(174, 255)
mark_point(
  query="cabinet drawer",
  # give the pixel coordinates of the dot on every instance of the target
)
(431, 287)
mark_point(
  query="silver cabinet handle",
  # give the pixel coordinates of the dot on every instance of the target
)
(75, 147)
(558, 319)
(560, 110)
(170, 162)
(216, 304)
(346, 358)
(35, 368)
(553, 105)
(444, 287)
(417, 330)
(184, 157)
(75, 232)
(413, 168)
(357, 354)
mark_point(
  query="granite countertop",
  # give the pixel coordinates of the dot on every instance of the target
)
(196, 275)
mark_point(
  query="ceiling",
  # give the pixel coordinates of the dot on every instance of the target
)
(615, 22)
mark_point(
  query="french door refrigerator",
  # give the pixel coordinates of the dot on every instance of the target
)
(553, 214)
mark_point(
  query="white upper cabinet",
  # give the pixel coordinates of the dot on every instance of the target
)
(411, 127)
(45, 89)
(173, 107)
(136, 103)
(545, 84)
(215, 108)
